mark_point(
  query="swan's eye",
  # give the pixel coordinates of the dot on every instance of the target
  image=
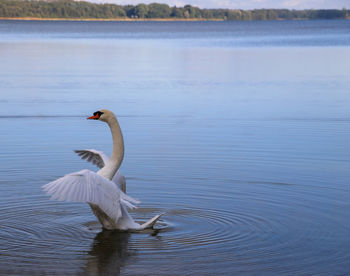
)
(98, 114)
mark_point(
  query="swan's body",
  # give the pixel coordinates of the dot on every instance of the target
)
(105, 190)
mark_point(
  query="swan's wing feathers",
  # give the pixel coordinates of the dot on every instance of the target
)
(96, 157)
(119, 179)
(129, 199)
(88, 186)
(128, 204)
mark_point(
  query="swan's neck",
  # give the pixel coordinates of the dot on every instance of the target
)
(117, 156)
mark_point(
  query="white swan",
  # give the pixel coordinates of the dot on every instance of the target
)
(104, 191)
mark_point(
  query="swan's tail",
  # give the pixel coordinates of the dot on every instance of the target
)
(151, 222)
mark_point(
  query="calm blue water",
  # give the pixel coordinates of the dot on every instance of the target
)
(238, 130)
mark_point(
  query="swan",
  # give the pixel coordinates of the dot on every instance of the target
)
(104, 191)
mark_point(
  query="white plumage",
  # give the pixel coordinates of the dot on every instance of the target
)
(88, 186)
(105, 190)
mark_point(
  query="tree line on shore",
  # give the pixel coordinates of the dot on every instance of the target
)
(79, 10)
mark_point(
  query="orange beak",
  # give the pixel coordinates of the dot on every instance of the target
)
(95, 117)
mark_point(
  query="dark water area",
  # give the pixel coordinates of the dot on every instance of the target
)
(239, 131)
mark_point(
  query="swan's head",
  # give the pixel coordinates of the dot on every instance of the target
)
(103, 115)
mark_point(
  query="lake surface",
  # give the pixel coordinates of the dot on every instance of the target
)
(239, 131)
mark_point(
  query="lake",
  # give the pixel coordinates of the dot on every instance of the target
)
(239, 131)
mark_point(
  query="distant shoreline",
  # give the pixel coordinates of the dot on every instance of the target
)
(135, 19)
(70, 10)
(108, 19)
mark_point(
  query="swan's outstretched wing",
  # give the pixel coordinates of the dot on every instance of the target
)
(96, 157)
(88, 186)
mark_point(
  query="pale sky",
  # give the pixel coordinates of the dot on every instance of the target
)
(244, 4)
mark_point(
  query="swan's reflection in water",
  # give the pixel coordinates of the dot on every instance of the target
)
(109, 253)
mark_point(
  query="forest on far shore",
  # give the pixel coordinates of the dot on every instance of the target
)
(85, 10)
